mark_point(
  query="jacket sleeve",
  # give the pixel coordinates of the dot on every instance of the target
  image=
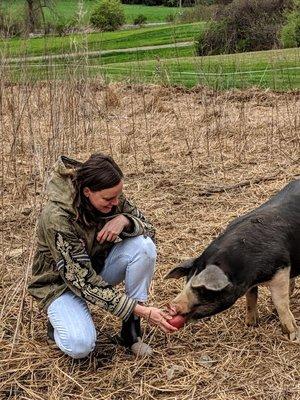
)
(139, 224)
(74, 265)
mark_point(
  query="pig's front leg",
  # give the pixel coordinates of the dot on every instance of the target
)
(251, 306)
(280, 291)
(292, 286)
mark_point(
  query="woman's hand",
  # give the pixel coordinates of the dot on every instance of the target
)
(156, 317)
(113, 228)
(171, 309)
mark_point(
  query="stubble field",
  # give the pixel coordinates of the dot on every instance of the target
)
(193, 161)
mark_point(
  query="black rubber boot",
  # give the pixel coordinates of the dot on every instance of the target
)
(131, 330)
(50, 332)
(131, 335)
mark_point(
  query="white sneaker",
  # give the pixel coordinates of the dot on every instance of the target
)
(141, 349)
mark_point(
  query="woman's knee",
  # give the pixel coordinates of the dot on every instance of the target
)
(146, 247)
(74, 330)
(77, 346)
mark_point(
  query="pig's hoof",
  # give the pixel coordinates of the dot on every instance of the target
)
(295, 336)
(251, 319)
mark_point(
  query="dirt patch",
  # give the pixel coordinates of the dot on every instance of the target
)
(193, 161)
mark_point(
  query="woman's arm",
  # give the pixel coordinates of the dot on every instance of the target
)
(139, 225)
(74, 265)
(155, 316)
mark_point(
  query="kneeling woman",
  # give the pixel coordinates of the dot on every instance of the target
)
(90, 238)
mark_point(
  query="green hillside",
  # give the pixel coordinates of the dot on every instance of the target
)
(101, 41)
(275, 69)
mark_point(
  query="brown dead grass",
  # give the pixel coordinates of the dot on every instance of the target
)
(175, 147)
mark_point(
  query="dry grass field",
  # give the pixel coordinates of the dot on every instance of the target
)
(193, 161)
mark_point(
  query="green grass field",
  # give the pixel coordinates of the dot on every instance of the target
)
(67, 10)
(153, 14)
(142, 55)
(275, 69)
(119, 57)
(101, 41)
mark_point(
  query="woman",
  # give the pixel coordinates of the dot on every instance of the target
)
(90, 238)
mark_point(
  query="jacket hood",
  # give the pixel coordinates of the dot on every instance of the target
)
(60, 188)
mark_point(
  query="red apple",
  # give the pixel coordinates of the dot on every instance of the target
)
(178, 321)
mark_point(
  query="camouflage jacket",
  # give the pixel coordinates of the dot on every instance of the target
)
(68, 254)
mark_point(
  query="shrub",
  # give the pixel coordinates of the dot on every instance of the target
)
(166, 3)
(243, 25)
(12, 21)
(173, 3)
(144, 2)
(108, 15)
(62, 26)
(213, 39)
(170, 17)
(198, 13)
(223, 2)
(290, 33)
(176, 3)
(140, 19)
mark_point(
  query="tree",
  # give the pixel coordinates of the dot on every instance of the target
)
(35, 12)
(290, 32)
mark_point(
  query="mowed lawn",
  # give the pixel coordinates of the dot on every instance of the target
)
(275, 69)
(67, 10)
(130, 38)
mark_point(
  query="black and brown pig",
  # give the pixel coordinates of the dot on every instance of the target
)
(261, 247)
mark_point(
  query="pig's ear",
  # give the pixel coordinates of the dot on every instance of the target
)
(212, 278)
(181, 270)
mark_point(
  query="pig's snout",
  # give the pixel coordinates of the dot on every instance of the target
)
(181, 306)
(183, 303)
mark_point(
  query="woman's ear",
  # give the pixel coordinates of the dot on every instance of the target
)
(86, 191)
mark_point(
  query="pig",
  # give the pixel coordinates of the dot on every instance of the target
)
(261, 247)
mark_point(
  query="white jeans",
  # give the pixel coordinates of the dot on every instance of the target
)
(131, 261)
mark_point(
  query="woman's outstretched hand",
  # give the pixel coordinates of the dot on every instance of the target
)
(156, 317)
(113, 228)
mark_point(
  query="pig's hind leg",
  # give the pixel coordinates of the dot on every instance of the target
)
(251, 306)
(279, 286)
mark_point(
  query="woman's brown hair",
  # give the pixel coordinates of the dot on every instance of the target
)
(99, 172)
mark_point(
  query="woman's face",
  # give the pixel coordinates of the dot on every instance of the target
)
(104, 200)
